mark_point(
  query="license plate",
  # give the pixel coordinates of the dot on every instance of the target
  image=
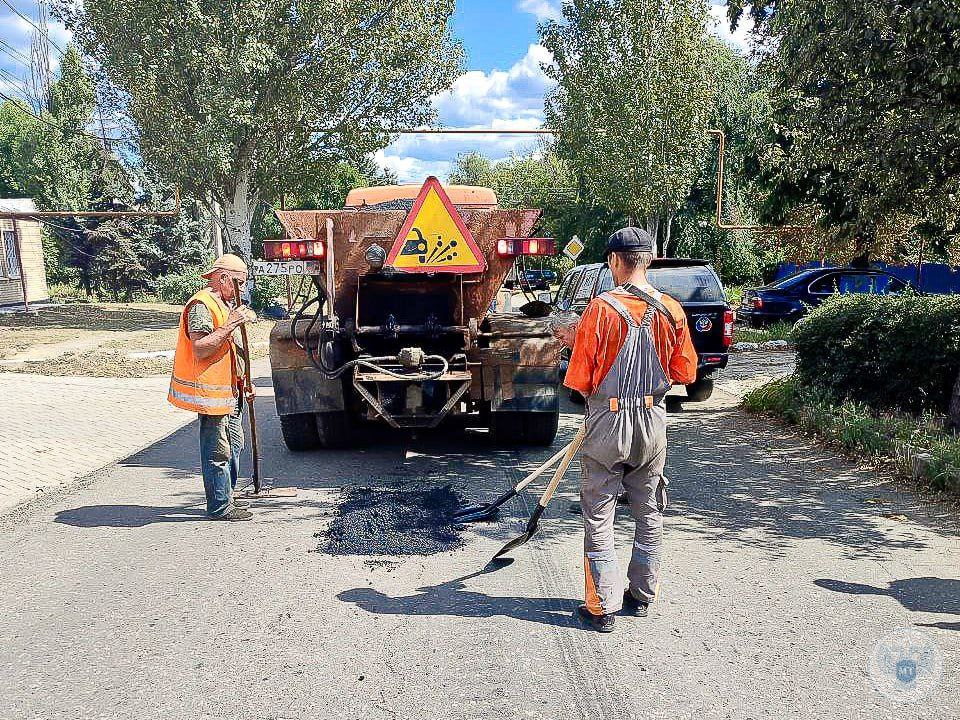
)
(288, 267)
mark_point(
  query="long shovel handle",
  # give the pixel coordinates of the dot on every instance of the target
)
(540, 470)
(570, 452)
(250, 394)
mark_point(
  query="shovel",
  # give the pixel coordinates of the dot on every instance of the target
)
(484, 511)
(258, 490)
(534, 520)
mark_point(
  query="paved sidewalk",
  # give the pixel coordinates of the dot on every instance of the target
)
(56, 430)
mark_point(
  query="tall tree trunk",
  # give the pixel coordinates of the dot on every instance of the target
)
(239, 202)
(955, 405)
(653, 227)
(667, 250)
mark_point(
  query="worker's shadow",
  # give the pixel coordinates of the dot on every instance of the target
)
(922, 594)
(90, 516)
(452, 598)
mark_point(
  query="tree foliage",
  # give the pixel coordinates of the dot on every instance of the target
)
(244, 103)
(865, 121)
(635, 91)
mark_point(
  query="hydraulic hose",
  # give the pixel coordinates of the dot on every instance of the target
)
(315, 353)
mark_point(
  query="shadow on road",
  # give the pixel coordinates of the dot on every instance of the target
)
(90, 516)
(451, 598)
(922, 594)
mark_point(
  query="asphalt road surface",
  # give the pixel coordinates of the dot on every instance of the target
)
(786, 568)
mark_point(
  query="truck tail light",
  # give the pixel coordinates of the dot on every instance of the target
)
(293, 250)
(511, 247)
(757, 302)
(728, 319)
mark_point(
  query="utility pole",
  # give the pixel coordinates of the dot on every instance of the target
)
(23, 273)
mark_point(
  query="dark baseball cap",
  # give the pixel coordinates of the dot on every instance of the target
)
(630, 239)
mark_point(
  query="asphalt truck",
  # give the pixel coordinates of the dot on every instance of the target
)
(395, 326)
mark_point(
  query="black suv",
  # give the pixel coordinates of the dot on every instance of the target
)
(693, 284)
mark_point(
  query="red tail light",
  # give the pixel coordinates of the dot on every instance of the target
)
(757, 303)
(293, 250)
(510, 247)
(728, 319)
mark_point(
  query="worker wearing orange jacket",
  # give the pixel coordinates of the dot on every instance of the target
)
(630, 346)
(205, 380)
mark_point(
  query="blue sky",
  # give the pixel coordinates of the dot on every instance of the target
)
(503, 86)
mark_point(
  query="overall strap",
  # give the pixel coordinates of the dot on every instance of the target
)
(653, 301)
(621, 309)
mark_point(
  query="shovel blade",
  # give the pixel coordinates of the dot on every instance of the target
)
(532, 525)
(473, 513)
(475, 516)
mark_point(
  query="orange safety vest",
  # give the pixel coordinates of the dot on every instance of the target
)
(208, 386)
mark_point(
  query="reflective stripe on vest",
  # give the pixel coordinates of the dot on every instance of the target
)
(206, 386)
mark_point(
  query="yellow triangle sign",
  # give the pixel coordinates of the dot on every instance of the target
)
(434, 237)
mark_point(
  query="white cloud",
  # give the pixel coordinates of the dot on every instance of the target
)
(739, 38)
(542, 9)
(500, 99)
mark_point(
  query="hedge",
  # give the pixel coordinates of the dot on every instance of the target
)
(897, 352)
(177, 288)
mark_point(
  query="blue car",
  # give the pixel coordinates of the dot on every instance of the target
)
(789, 298)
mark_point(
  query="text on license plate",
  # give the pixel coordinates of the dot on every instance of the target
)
(288, 267)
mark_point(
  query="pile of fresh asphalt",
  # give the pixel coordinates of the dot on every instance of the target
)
(400, 519)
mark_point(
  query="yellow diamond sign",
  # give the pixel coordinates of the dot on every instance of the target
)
(573, 248)
(434, 237)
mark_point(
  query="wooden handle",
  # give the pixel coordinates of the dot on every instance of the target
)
(248, 391)
(562, 468)
(540, 470)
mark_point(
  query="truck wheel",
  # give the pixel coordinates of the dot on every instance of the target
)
(299, 432)
(334, 429)
(524, 428)
(700, 390)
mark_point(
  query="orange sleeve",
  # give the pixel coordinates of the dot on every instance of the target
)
(586, 350)
(683, 361)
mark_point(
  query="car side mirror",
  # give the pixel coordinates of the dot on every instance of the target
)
(545, 297)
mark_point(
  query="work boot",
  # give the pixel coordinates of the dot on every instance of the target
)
(234, 515)
(242, 504)
(600, 623)
(632, 606)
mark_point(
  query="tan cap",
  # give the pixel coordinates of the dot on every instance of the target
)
(228, 262)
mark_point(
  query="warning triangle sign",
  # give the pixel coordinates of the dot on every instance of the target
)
(434, 237)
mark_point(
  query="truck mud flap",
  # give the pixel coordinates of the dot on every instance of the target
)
(528, 389)
(305, 390)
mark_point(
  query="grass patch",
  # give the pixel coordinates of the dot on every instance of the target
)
(777, 331)
(888, 438)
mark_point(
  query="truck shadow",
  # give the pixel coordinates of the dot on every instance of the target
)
(451, 598)
(126, 516)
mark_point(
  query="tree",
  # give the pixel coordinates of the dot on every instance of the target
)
(243, 103)
(635, 92)
(864, 133)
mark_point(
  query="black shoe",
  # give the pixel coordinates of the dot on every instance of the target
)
(632, 606)
(600, 623)
(234, 515)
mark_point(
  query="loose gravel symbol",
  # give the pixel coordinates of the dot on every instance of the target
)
(906, 665)
(401, 519)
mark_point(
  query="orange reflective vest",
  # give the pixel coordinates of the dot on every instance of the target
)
(208, 386)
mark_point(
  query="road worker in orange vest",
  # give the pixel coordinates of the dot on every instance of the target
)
(206, 381)
(631, 345)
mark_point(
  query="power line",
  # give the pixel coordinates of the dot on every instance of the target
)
(54, 125)
(35, 26)
(14, 53)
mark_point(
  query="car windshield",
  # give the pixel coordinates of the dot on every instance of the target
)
(687, 284)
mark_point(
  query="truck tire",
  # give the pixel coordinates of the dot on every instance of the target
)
(524, 428)
(334, 429)
(299, 432)
(700, 390)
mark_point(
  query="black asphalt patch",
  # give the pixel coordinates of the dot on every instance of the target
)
(396, 520)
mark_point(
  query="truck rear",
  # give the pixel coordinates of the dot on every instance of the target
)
(394, 328)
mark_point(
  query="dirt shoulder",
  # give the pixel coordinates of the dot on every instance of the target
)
(99, 339)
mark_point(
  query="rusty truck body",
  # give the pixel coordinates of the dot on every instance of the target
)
(396, 326)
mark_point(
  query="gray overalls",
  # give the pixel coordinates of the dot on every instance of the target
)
(625, 445)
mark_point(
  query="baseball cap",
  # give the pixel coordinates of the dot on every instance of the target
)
(228, 262)
(630, 239)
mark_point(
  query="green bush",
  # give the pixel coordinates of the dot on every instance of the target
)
(267, 288)
(779, 397)
(179, 287)
(890, 352)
